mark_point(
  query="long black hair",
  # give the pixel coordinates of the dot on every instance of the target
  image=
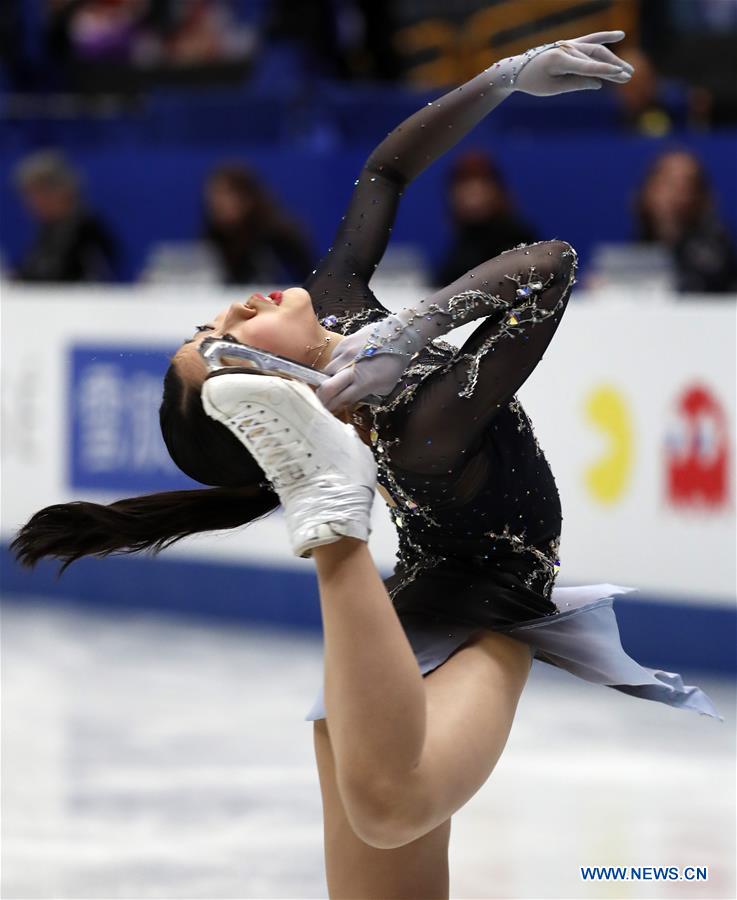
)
(203, 449)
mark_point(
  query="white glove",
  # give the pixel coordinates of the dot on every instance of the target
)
(358, 368)
(578, 64)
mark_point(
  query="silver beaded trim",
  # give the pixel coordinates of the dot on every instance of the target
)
(524, 313)
(412, 562)
(524, 423)
(516, 69)
(352, 321)
(549, 563)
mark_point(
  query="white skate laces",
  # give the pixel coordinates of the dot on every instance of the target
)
(324, 474)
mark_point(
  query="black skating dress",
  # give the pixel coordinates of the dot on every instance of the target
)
(475, 504)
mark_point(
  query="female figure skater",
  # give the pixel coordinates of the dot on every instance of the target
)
(423, 673)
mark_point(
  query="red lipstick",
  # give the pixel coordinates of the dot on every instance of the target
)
(276, 297)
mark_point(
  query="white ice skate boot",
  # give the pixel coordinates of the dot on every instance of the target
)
(324, 474)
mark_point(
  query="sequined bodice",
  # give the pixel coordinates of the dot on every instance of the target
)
(492, 500)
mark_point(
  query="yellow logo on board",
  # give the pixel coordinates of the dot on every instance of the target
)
(607, 478)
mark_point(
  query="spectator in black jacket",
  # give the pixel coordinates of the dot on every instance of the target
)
(674, 207)
(71, 244)
(253, 238)
(484, 219)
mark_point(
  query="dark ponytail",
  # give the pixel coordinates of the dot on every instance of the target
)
(68, 531)
(203, 449)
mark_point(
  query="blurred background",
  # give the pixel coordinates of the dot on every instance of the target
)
(162, 158)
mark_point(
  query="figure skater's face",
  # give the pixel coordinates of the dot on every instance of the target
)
(283, 323)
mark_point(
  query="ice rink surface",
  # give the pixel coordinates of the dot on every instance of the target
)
(149, 757)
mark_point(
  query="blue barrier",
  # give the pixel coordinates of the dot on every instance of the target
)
(220, 591)
(658, 633)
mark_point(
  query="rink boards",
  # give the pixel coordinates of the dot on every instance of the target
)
(633, 403)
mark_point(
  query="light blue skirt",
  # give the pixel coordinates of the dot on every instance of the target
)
(582, 638)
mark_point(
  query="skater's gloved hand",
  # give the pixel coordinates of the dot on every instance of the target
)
(364, 363)
(582, 63)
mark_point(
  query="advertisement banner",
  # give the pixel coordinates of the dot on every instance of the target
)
(113, 413)
(633, 404)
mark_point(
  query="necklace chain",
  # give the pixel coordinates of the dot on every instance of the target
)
(322, 349)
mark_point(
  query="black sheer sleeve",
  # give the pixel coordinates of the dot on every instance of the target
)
(456, 402)
(339, 287)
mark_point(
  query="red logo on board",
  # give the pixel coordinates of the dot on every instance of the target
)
(697, 451)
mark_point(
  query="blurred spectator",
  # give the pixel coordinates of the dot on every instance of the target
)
(674, 207)
(253, 238)
(484, 219)
(104, 39)
(348, 39)
(71, 244)
(655, 106)
(193, 33)
(693, 42)
(95, 29)
(639, 99)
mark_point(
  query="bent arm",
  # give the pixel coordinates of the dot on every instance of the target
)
(512, 291)
(495, 361)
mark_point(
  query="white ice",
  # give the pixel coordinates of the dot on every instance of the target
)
(149, 757)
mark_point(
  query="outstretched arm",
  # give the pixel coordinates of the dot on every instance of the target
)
(549, 69)
(340, 283)
(373, 359)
